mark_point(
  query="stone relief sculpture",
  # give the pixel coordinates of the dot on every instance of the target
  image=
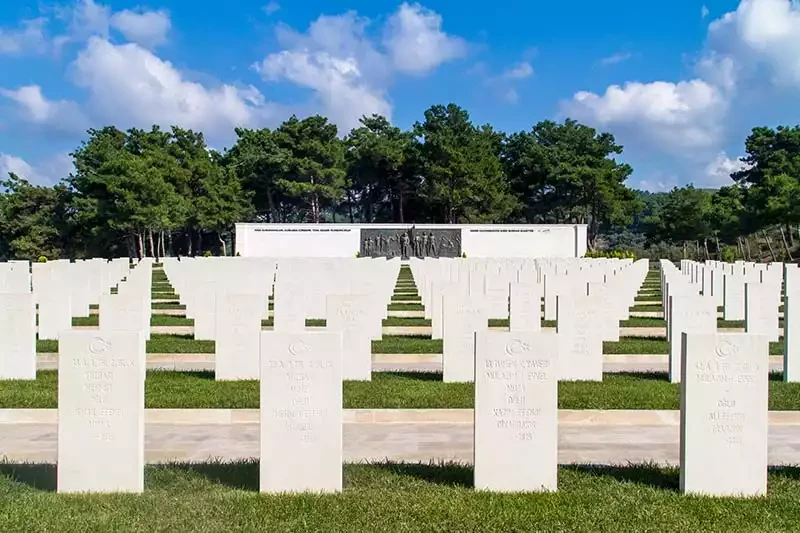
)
(410, 242)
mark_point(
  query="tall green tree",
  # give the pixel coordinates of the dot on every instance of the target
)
(567, 173)
(463, 174)
(33, 219)
(379, 165)
(313, 175)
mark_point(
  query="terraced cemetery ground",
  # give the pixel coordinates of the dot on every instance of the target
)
(177, 389)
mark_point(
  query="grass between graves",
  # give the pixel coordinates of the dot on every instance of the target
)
(155, 320)
(421, 344)
(390, 496)
(389, 390)
(168, 305)
(405, 307)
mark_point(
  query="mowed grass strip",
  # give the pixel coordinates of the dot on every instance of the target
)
(405, 306)
(408, 296)
(390, 497)
(155, 320)
(389, 390)
(167, 305)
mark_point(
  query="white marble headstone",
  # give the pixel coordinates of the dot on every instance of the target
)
(100, 412)
(516, 411)
(17, 336)
(301, 412)
(724, 402)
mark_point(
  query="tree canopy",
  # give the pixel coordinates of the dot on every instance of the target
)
(155, 192)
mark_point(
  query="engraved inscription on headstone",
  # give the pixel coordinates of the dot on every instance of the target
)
(100, 412)
(724, 396)
(516, 411)
(410, 242)
(301, 412)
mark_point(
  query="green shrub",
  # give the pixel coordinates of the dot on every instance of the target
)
(207, 253)
(728, 254)
(611, 254)
(42, 259)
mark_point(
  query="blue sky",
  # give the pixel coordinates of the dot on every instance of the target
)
(679, 83)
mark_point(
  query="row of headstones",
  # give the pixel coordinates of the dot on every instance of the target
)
(725, 282)
(723, 431)
(587, 313)
(128, 310)
(228, 300)
(691, 307)
(488, 279)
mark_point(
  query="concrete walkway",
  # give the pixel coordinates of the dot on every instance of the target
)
(415, 331)
(431, 362)
(600, 437)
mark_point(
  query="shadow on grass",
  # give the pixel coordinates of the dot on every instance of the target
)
(243, 475)
(414, 376)
(38, 476)
(207, 375)
(776, 376)
(441, 473)
(648, 376)
(647, 474)
(786, 472)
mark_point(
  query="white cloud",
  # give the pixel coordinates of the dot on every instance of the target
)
(348, 74)
(129, 85)
(47, 172)
(718, 171)
(657, 182)
(761, 33)
(271, 8)
(510, 96)
(519, 72)
(704, 12)
(613, 59)
(16, 165)
(416, 42)
(675, 116)
(147, 28)
(29, 36)
(84, 19)
(338, 83)
(64, 115)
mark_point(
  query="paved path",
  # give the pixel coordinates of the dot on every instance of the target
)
(601, 437)
(395, 362)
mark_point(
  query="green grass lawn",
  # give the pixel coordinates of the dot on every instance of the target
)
(168, 305)
(388, 390)
(155, 320)
(406, 307)
(310, 322)
(401, 297)
(394, 497)
(652, 308)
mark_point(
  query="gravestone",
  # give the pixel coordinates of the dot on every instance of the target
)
(791, 337)
(17, 336)
(723, 434)
(688, 314)
(761, 302)
(516, 411)
(525, 307)
(462, 318)
(237, 326)
(733, 296)
(301, 412)
(580, 338)
(55, 313)
(349, 315)
(100, 412)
